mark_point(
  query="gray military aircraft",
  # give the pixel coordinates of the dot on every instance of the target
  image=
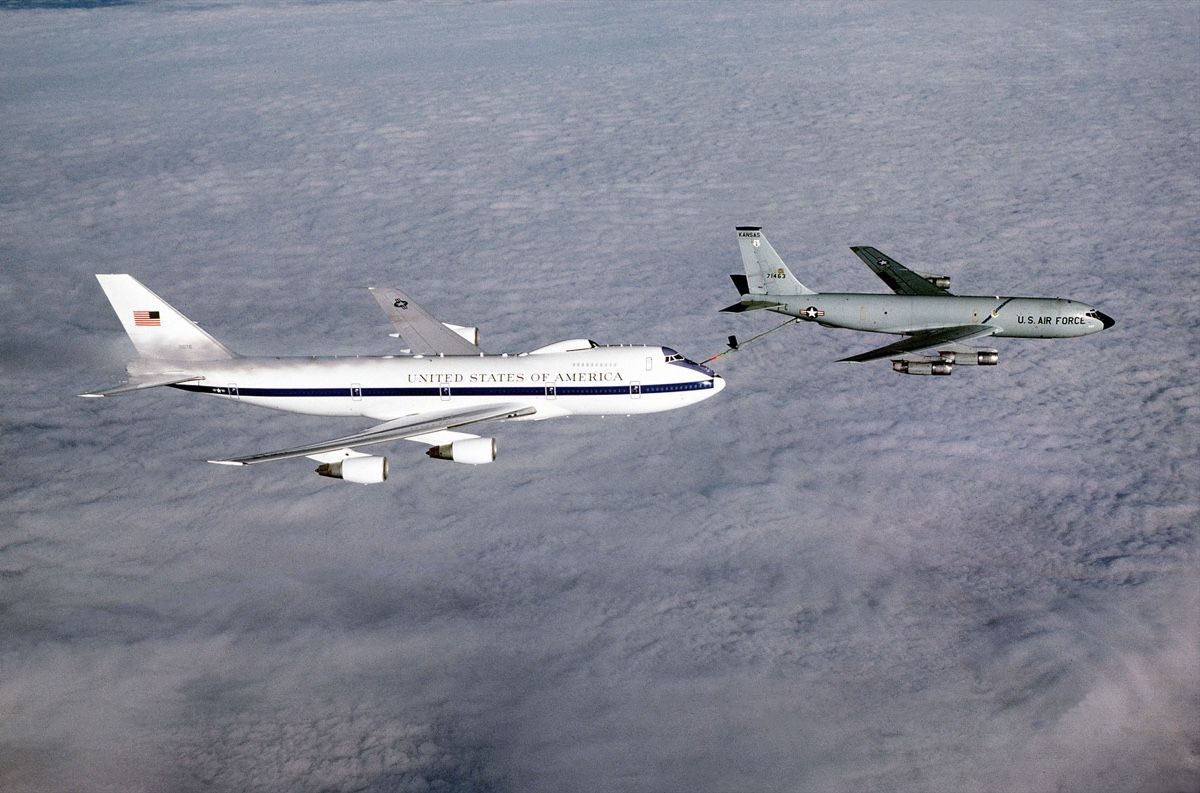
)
(936, 322)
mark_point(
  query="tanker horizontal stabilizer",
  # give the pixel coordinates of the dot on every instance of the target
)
(753, 305)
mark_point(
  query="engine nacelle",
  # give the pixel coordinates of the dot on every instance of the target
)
(974, 358)
(361, 470)
(940, 281)
(472, 451)
(470, 334)
(938, 367)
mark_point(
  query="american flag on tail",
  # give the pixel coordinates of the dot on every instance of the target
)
(146, 319)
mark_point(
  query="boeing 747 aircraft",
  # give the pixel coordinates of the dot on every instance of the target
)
(443, 383)
(935, 321)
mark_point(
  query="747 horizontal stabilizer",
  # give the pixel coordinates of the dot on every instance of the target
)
(140, 384)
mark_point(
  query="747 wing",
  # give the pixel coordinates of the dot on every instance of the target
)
(420, 424)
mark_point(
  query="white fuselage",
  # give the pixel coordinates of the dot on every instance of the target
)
(601, 380)
(1027, 317)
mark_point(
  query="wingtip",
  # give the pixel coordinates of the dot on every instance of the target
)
(226, 462)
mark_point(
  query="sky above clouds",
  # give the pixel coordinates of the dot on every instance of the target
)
(828, 577)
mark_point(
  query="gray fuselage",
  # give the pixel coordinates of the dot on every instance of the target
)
(1026, 317)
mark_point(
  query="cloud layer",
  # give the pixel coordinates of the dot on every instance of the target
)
(829, 577)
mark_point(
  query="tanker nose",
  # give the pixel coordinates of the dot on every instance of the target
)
(1105, 319)
(718, 383)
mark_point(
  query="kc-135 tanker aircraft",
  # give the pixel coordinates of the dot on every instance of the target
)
(935, 321)
(442, 383)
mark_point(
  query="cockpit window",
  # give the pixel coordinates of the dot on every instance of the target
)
(1094, 314)
(673, 357)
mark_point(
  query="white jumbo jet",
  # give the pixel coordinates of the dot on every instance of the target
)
(443, 383)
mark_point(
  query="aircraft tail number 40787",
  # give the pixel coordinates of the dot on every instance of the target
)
(443, 383)
(936, 323)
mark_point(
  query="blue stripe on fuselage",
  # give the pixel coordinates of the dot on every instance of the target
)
(559, 390)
